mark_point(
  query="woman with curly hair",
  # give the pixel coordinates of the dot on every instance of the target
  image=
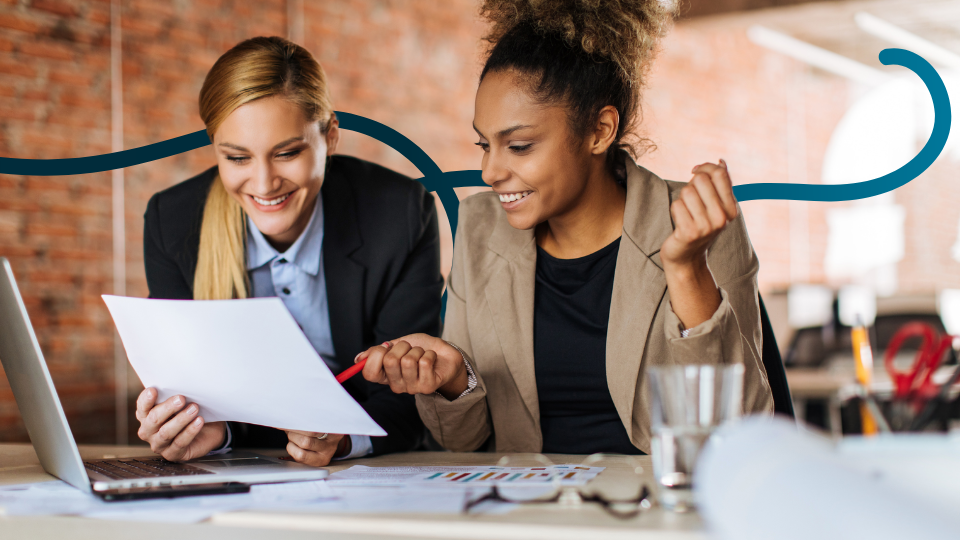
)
(581, 269)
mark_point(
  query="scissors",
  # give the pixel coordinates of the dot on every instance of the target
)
(916, 384)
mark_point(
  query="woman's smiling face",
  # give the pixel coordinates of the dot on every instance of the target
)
(272, 160)
(531, 158)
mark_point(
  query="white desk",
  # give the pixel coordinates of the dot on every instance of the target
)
(18, 464)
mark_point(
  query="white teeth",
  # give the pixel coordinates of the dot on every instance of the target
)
(510, 197)
(271, 202)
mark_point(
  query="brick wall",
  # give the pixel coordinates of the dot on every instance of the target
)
(410, 64)
(715, 94)
(712, 94)
(56, 231)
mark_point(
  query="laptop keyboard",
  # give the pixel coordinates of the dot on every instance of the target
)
(126, 469)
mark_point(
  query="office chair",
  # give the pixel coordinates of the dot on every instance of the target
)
(770, 355)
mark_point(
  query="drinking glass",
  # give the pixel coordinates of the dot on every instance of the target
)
(688, 403)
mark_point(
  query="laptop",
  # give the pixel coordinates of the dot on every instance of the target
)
(113, 479)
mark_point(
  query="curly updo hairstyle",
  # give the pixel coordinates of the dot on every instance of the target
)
(586, 54)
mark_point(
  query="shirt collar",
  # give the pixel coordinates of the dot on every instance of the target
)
(304, 253)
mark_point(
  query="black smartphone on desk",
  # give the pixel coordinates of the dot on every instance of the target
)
(171, 492)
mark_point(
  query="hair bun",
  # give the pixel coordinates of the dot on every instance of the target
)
(627, 32)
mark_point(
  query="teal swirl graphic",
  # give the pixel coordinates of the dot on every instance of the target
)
(888, 182)
(443, 183)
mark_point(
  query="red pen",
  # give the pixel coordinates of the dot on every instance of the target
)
(351, 371)
(358, 367)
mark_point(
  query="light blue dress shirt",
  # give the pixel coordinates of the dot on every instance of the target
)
(296, 277)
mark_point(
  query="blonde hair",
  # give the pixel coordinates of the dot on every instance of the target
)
(256, 68)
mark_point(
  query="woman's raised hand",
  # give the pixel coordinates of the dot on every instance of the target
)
(701, 212)
(175, 429)
(417, 364)
(705, 206)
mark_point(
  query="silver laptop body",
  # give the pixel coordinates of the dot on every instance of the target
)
(53, 441)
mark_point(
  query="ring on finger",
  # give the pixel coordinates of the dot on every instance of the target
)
(322, 436)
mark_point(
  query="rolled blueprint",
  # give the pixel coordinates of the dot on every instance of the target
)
(764, 478)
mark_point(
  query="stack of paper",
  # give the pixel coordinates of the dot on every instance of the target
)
(59, 498)
(359, 489)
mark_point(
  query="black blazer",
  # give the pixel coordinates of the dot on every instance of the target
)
(381, 261)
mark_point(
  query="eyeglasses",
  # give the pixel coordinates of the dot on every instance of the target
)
(559, 484)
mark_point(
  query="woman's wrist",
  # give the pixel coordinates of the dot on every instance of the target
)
(461, 380)
(694, 295)
(453, 389)
(225, 433)
(344, 447)
(690, 272)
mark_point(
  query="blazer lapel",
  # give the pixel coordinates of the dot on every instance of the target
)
(638, 286)
(510, 294)
(343, 274)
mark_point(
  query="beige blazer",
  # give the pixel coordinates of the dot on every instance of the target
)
(490, 298)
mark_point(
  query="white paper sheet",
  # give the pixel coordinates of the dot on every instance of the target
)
(59, 498)
(240, 360)
(386, 500)
(317, 497)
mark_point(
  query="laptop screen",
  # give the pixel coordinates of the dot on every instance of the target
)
(33, 388)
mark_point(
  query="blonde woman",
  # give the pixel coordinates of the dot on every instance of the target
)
(350, 247)
(581, 269)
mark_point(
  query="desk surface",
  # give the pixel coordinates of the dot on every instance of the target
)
(19, 464)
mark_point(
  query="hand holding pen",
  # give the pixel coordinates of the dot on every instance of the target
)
(357, 367)
(417, 364)
(414, 364)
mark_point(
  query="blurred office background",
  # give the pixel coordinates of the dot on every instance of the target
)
(784, 90)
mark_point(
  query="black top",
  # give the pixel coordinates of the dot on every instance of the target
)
(571, 311)
(381, 262)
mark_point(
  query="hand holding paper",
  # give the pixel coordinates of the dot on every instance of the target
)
(240, 360)
(174, 429)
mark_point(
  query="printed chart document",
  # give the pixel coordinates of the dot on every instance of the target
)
(449, 476)
(240, 360)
